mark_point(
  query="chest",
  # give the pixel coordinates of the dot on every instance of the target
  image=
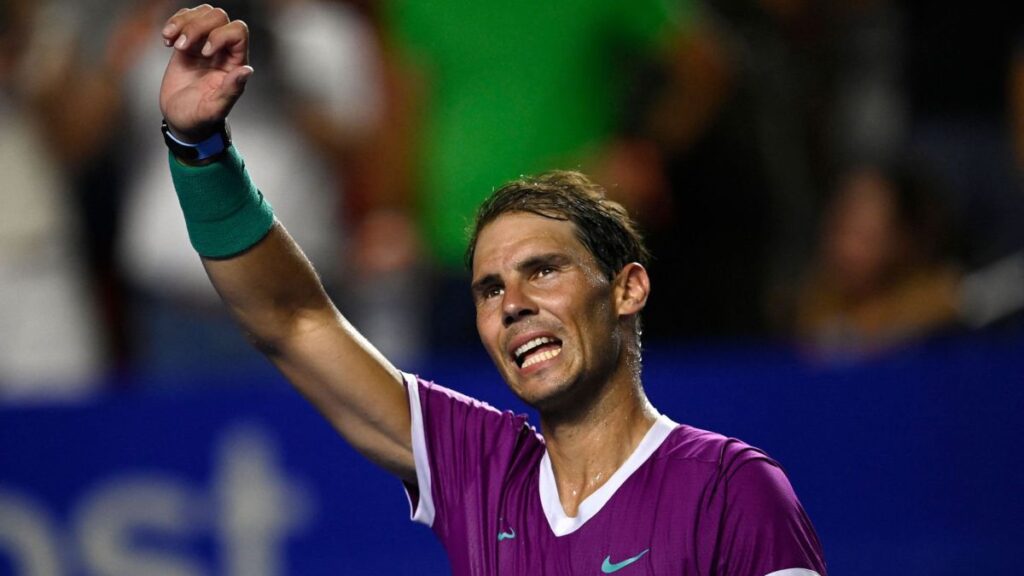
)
(648, 526)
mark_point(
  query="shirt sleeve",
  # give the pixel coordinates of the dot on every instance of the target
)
(764, 529)
(463, 449)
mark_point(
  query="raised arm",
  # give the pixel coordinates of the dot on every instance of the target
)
(258, 270)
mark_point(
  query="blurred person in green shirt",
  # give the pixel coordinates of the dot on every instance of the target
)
(484, 92)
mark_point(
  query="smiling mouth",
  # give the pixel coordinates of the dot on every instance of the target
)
(537, 350)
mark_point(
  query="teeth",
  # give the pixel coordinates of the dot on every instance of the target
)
(542, 356)
(531, 345)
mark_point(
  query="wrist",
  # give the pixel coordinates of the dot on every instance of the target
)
(225, 213)
(193, 150)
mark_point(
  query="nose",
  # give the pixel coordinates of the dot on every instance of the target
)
(516, 304)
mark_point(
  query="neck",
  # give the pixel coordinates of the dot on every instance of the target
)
(588, 448)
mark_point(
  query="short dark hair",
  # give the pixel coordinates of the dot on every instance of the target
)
(602, 225)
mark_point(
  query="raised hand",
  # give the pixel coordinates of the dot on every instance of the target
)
(207, 71)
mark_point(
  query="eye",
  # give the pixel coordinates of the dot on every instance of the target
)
(545, 270)
(492, 292)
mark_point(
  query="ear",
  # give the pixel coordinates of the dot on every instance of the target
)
(632, 286)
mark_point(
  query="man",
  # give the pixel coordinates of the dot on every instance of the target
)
(558, 286)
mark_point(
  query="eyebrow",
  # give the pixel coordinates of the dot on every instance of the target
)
(489, 280)
(557, 258)
(481, 285)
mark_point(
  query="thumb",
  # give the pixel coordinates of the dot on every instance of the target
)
(234, 84)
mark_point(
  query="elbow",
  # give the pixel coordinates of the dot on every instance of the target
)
(285, 329)
(265, 344)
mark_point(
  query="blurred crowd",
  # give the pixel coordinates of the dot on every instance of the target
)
(845, 176)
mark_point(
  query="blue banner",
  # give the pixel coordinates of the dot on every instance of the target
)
(907, 464)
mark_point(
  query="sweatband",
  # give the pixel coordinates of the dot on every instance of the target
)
(224, 212)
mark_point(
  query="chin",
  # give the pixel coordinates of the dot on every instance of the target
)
(550, 397)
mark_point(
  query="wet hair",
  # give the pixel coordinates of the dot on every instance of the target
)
(602, 225)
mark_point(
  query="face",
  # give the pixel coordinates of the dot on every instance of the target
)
(863, 237)
(545, 312)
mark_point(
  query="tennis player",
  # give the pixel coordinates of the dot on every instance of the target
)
(610, 485)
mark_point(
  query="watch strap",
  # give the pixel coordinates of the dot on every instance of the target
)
(209, 148)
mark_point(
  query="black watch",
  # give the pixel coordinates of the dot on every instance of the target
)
(210, 148)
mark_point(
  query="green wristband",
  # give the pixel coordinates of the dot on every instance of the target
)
(224, 212)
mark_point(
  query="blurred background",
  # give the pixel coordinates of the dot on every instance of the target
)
(832, 191)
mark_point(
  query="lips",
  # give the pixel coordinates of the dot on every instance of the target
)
(536, 349)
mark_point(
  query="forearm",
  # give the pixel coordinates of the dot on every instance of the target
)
(259, 271)
(277, 298)
(270, 288)
(275, 295)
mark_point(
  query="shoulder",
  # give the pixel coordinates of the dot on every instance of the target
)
(429, 391)
(760, 525)
(446, 407)
(735, 473)
(724, 453)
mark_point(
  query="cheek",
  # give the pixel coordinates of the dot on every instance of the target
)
(599, 306)
(596, 318)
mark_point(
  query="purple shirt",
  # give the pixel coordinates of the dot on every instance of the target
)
(687, 501)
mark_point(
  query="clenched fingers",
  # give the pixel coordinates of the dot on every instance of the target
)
(172, 26)
(232, 37)
(189, 28)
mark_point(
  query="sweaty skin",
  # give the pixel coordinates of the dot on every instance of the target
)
(534, 280)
